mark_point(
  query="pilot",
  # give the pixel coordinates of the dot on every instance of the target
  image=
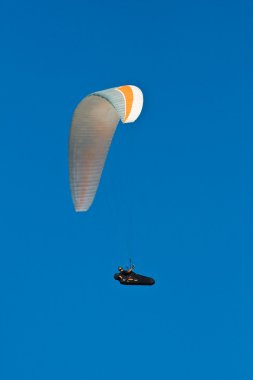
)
(124, 272)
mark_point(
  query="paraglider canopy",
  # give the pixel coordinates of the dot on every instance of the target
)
(93, 125)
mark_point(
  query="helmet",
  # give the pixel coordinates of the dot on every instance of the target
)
(120, 269)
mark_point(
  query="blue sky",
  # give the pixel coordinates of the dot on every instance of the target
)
(176, 192)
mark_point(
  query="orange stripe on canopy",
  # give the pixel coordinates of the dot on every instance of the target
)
(129, 96)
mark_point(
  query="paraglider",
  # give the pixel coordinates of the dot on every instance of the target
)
(128, 277)
(93, 125)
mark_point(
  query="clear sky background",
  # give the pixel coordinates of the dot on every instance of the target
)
(176, 192)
